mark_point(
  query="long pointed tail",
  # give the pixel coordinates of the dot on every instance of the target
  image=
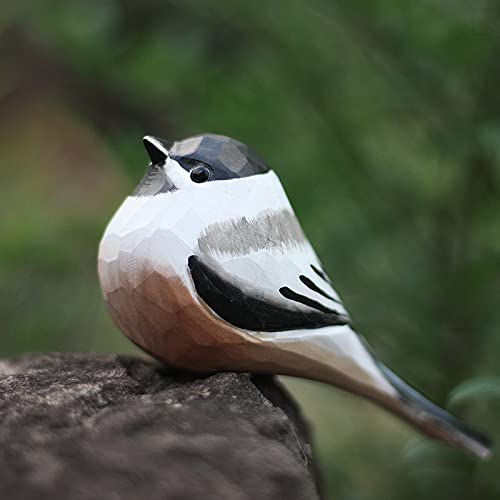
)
(339, 356)
(432, 420)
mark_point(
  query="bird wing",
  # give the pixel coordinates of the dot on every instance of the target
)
(272, 288)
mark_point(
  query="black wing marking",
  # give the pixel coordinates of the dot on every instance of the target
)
(245, 309)
(307, 301)
(315, 288)
(321, 274)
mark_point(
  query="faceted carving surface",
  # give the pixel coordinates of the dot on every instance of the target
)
(227, 157)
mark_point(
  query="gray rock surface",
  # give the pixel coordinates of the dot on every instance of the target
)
(91, 426)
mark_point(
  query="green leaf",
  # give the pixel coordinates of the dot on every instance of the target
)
(480, 387)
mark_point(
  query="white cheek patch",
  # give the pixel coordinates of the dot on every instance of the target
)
(164, 230)
(177, 175)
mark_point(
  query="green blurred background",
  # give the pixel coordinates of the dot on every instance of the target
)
(382, 119)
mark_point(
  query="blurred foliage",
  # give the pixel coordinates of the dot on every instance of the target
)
(382, 119)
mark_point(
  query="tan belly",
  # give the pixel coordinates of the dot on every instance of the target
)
(161, 316)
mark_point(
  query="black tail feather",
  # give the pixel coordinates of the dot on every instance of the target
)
(433, 420)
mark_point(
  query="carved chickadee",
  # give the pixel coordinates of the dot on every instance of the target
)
(205, 267)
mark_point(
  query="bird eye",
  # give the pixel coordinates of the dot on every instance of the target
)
(200, 173)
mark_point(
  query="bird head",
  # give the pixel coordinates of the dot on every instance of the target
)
(197, 160)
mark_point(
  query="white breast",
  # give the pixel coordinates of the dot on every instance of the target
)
(162, 231)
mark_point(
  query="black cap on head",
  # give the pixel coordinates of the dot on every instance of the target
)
(206, 157)
(228, 158)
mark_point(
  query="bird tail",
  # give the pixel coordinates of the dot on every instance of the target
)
(430, 419)
(339, 356)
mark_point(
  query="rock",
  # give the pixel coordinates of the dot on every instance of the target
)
(92, 426)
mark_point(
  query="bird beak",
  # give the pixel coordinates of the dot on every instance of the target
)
(157, 149)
